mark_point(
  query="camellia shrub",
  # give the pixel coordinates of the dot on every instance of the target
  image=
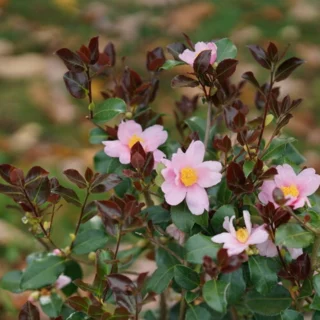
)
(222, 204)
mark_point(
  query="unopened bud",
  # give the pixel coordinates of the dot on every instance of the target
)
(92, 256)
(67, 250)
(269, 119)
(91, 106)
(215, 65)
(46, 225)
(128, 115)
(72, 236)
(24, 220)
(34, 296)
(142, 243)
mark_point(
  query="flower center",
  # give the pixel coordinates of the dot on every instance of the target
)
(242, 235)
(292, 190)
(188, 176)
(133, 140)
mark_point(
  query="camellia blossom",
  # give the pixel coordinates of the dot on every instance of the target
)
(269, 249)
(186, 177)
(62, 281)
(129, 133)
(238, 241)
(189, 56)
(295, 187)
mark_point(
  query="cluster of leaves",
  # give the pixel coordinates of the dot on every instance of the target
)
(210, 283)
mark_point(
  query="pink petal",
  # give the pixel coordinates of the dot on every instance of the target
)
(231, 227)
(127, 129)
(226, 223)
(158, 155)
(201, 46)
(224, 237)
(285, 177)
(295, 252)
(209, 173)
(116, 149)
(195, 152)
(188, 56)
(237, 249)
(247, 220)
(154, 137)
(259, 235)
(197, 199)
(308, 182)
(62, 281)
(298, 203)
(179, 160)
(267, 188)
(174, 194)
(267, 249)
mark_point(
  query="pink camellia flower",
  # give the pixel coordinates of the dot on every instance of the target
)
(189, 56)
(129, 133)
(296, 188)
(269, 249)
(237, 241)
(176, 234)
(187, 176)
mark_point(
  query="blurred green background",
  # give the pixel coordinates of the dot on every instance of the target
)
(40, 124)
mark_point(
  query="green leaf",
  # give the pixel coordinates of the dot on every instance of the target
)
(191, 296)
(96, 136)
(248, 167)
(157, 214)
(199, 313)
(106, 164)
(182, 217)
(197, 124)
(89, 240)
(316, 316)
(292, 155)
(160, 279)
(273, 303)
(103, 268)
(291, 315)
(169, 64)
(199, 246)
(315, 305)
(237, 285)
(11, 281)
(316, 283)
(218, 217)
(276, 148)
(51, 305)
(225, 49)
(263, 273)
(163, 257)
(77, 316)
(292, 235)
(202, 219)
(186, 278)
(72, 270)
(108, 109)
(42, 272)
(215, 294)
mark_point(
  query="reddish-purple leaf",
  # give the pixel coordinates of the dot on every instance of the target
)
(71, 60)
(104, 182)
(226, 68)
(94, 50)
(260, 56)
(88, 175)
(249, 76)
(180, 81)
(109, 50)
(109, 208)
(38, 190)
(75, 177)
(202, 62)
(272, 51)
(17, 177)
(5, 170)
(175, 49)
(84, 54)
(77, 84)
(79, 303)
(29, 312)
(67, 194)
(189, 41)
(287, 67)
(35, 173)
(223, 144)
(155, 59)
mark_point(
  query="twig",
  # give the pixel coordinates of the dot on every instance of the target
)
(208, 125)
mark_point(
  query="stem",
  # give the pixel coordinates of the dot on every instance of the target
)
(208, 125)
(149, 201)
(89, 93)
(163, 307)
(266, 109)
(183, 306)
(315, 250)
(80, 218)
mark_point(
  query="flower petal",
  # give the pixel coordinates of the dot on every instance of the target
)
(127, 129)
(267, 249)
(195, 152)
(188, 56)
(197, 199)
(285, 176)
(259, 235)
(224, 237)
(295, 252)
(247, 220)
(265, 194)
(116, 149)
(174, 194)
(158, 156)
(308, 182)
(209, 173)
(62, 281)
(154, 137)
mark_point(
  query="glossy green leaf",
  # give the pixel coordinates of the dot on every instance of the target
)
(89, 240)
(199, 246)
(293, 236)
(182, 217)
(276, 147)
(72, 270)
(218, 217)
(96, 136)
(42, 272)
(215, 294)
(108, 109)
(51, 305)
(315, 305)
(11, 281)
(225, 49)
(263, 273)
(237, 285)
(197, 124)
(277, 300)
(106, 164)
(169, 64)
(102, 267)
(291, 315)
(186, 277)
(160, 279)
(316, 283)
(248, 167)
(77, 316)
(200, 312)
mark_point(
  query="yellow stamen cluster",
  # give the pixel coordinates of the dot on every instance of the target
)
(242, 235)
(291, 190)
(188, 176)
(133, 140)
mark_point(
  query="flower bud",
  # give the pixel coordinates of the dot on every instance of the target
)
(67, 251)
(34, 296)
(92, 256)
(91, 106)
(128, 115)
(72, 236)
(142, 243)
(46, 225)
